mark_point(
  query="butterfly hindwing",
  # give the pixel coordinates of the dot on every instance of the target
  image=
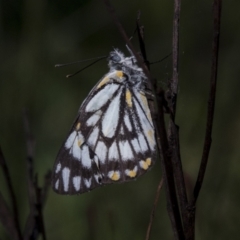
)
(112, 139)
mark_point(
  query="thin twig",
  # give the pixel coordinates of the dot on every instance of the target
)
(39, 208)
(11, 193)
(31, 220)
(140, 32)
(7, 219)
(167, 168)
(154, 209)
(41, 194)
(178, 170)
(212, 96)
(211, 105)
(175, 57)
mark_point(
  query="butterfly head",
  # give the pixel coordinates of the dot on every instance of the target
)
(117, 60)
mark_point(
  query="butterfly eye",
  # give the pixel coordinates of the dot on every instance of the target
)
(114, 58)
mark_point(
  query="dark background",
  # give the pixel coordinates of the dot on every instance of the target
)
(35, 35)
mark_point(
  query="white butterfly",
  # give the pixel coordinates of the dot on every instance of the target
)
(113, 138)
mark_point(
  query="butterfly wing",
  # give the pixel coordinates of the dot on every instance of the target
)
(76, 169)
(130, 153)
(112, 139)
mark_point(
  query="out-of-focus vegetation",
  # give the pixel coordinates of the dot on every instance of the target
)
(35, 35)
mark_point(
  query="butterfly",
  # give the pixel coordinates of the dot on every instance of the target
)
(113, 138)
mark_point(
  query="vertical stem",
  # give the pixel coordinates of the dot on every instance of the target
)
(175, 55)
(173, 134)
(212, 96)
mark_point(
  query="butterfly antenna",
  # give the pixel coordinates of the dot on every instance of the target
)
(86, 60)
(161, 59)
(98, 59)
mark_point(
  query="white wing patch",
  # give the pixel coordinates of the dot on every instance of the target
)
(86, 160)
(58, 168)
(88, 182)
(127, 122)
(101, 151)
(93, 137)
(143, 100)
(125, 150)
(136, 145)
(143, 119)
(65, 176)
(101, 97)
(146, 125)
(113, 154)
(71, 139)
(94, 118)
(57, 184)
(143, 143)
(74, 142)
(111, 117)
(77, 182)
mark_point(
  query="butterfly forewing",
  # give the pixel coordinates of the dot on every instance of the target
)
(112, 139)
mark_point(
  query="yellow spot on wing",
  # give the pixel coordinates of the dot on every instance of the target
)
(128, 98)
(115, 176)
(119, 74)
(144, 101)
(104, 81)
(79, 142)
(150, 135)
(149, 117)
(78, 126)
(132, 173)
(145, 164)
(145, 106)
(148, 161)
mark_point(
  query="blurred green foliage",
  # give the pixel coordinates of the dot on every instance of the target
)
(35, 35)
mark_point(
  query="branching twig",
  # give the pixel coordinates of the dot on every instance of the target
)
(34, 224)
(12, 194)
(154, 209)
(7, 219)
